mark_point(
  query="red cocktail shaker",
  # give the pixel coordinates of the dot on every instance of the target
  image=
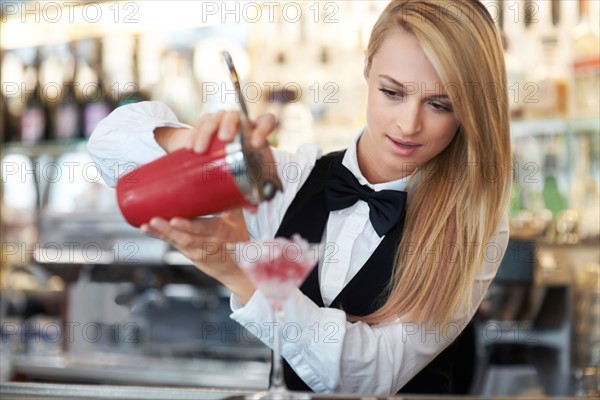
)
(187, 184)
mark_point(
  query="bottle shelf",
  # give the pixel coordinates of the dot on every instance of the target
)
(554, 126)
(519, 128)
(52, 148)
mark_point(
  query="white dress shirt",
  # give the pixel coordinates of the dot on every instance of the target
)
(327, 352)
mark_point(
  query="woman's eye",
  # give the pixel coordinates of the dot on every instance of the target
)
(441, 107)
(391, 93)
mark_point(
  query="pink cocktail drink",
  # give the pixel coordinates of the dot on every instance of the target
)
(280, 266)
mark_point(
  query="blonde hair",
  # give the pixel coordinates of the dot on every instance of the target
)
(450, 219)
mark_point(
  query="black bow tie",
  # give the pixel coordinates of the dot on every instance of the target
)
(343, 190)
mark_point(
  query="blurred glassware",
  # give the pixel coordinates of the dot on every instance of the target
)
(19, 208)
(78, 187)
(567, 227)
(549, 99)
(586, 64)
(178, 88)
(526, 224)
(584, 193)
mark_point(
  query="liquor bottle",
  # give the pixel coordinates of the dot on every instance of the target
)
(549, 99)
(97, 103)
(516, 78)
(4, 114)
(516, 40)
(584, 194)
(586, 65)
(34, 119)
(515, 204)
(132, 92)
(66, 118)
(4, 118)
(554, 200)
(12, 70)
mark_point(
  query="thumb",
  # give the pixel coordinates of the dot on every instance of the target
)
(264, 125)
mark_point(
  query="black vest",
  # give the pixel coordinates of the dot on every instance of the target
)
(307, 215)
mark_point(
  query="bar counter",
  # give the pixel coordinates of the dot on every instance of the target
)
(30, 391)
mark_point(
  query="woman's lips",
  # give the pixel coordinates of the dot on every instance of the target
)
(402, 147)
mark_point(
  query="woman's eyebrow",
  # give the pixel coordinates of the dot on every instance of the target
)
(412, 86)
(389, 78)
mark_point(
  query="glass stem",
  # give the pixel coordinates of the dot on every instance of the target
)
(277, 382)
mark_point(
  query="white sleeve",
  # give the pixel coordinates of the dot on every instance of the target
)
(333, 355)
(124, 139)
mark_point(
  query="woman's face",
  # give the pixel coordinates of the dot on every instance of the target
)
(410, 119)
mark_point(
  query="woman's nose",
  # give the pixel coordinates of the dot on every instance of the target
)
(409, 118)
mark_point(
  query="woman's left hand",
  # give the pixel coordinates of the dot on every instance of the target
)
(207, 243)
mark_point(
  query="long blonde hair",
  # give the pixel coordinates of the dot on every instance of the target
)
(450, 219)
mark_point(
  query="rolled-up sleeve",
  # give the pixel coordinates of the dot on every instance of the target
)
(125, 140)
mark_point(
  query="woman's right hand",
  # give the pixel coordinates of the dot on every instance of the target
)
(225, 124)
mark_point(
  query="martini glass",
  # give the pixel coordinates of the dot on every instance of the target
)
(280, 266)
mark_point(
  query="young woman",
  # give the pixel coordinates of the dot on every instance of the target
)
(373, 318)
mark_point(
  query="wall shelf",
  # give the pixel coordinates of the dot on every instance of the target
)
(553, 126)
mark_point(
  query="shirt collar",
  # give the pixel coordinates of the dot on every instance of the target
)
(350, 161)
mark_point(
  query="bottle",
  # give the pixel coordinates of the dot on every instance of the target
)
(584, 194)
(515, 204)
(12, 70)
(132, 92)
(554, 200)
(586, 65)
(67, 116)
(34, 119)
(549, 98)
(90, 81)
(515, 78)
(13, 108)
(4, 114)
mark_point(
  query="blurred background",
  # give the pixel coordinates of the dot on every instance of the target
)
(85, 298)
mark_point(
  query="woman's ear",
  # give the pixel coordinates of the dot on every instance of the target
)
(366, 67)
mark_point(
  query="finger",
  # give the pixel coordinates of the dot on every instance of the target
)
(230, 125)
(195, 139)
(206, 130)
(148, 230)
(145, 228)
(181, 239)
(204, 226)
(264, 125)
